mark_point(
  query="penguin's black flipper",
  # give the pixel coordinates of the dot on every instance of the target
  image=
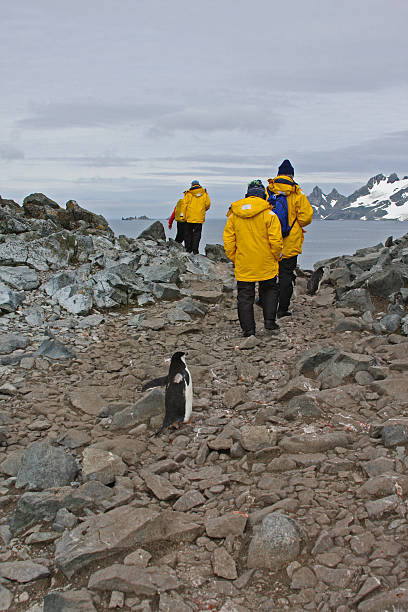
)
(156, 382)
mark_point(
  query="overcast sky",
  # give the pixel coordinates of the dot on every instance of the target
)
(120, 104)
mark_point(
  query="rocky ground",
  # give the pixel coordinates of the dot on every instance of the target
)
(287, 491)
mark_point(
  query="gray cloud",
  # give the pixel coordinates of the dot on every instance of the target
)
(90, 114)
(10, 152)
(213, 118)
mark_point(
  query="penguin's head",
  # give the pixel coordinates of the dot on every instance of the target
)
(177, 357)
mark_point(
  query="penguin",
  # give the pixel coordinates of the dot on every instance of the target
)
(313, 283)
(178, 399)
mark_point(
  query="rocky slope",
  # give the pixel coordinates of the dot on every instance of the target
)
(288, 490)
(383, 197)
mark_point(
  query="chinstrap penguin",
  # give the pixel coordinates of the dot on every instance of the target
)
(178, 400)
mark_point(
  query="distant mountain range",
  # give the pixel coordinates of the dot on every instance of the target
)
(383, 197)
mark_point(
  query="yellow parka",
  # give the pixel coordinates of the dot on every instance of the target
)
(299, 211)
(179, 211)
(253, 239)
(196, 202)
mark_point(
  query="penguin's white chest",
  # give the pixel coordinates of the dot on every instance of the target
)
(189, 398)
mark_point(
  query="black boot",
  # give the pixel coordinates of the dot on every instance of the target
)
(271, 324)
(251, 332)
(283, 313)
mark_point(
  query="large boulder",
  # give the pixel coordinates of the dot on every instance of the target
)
(69, 601)
(359, 299)
(155, 231)
(9, 300)
(11, 342)
(21, 278)
(215, 252)
(45, 466)
(148, 406)
(277, 543)
(385, 282)
(120, 530)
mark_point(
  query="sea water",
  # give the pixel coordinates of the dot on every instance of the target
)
(323, 239)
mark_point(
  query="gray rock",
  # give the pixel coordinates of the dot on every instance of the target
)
(277, 543)
(215, 252)
(101, 465)
(379, 507)
(21, 278)
(77, 299)
(310, 362)
(349, 324)
(297, 386)
(55, 251)
(314, 443)
(45, 466)
(167, 292)
(190, 499)
(231, 524)
(87, 400)
(11, 342)
(390, 323)
(257, 437)
(155, 231)
(120, 530)
(12, 463)
(177, 315)
(159, 274)
(64, 519)
(192, 307)
(52, 349)
(148, 406)
(90, 321)
(385, 282)
(223, 564)
(6, 598)
(34, 507)
(160, 486)
(132, 579)
(34, 316)
(394, 435)
(357, 298)
(23, 571)
(69, 601)
(73, 438)
(303, 407)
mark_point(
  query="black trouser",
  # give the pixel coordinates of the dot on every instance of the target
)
(269, 291)
(192, 237)
(180, 231)
(287, 278)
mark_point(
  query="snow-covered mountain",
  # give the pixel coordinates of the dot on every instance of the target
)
(383, 197)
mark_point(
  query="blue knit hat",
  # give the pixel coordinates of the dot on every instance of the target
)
(194, 183)
(286, 168)
(256, 188)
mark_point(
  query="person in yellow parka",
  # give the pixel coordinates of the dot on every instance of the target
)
(178, 215)
(196, 202)
(300, 214)
(253, 241)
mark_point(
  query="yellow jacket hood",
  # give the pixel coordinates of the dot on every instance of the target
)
(249, 207)
(283, 184)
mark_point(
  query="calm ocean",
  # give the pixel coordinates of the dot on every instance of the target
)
(323, 239)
